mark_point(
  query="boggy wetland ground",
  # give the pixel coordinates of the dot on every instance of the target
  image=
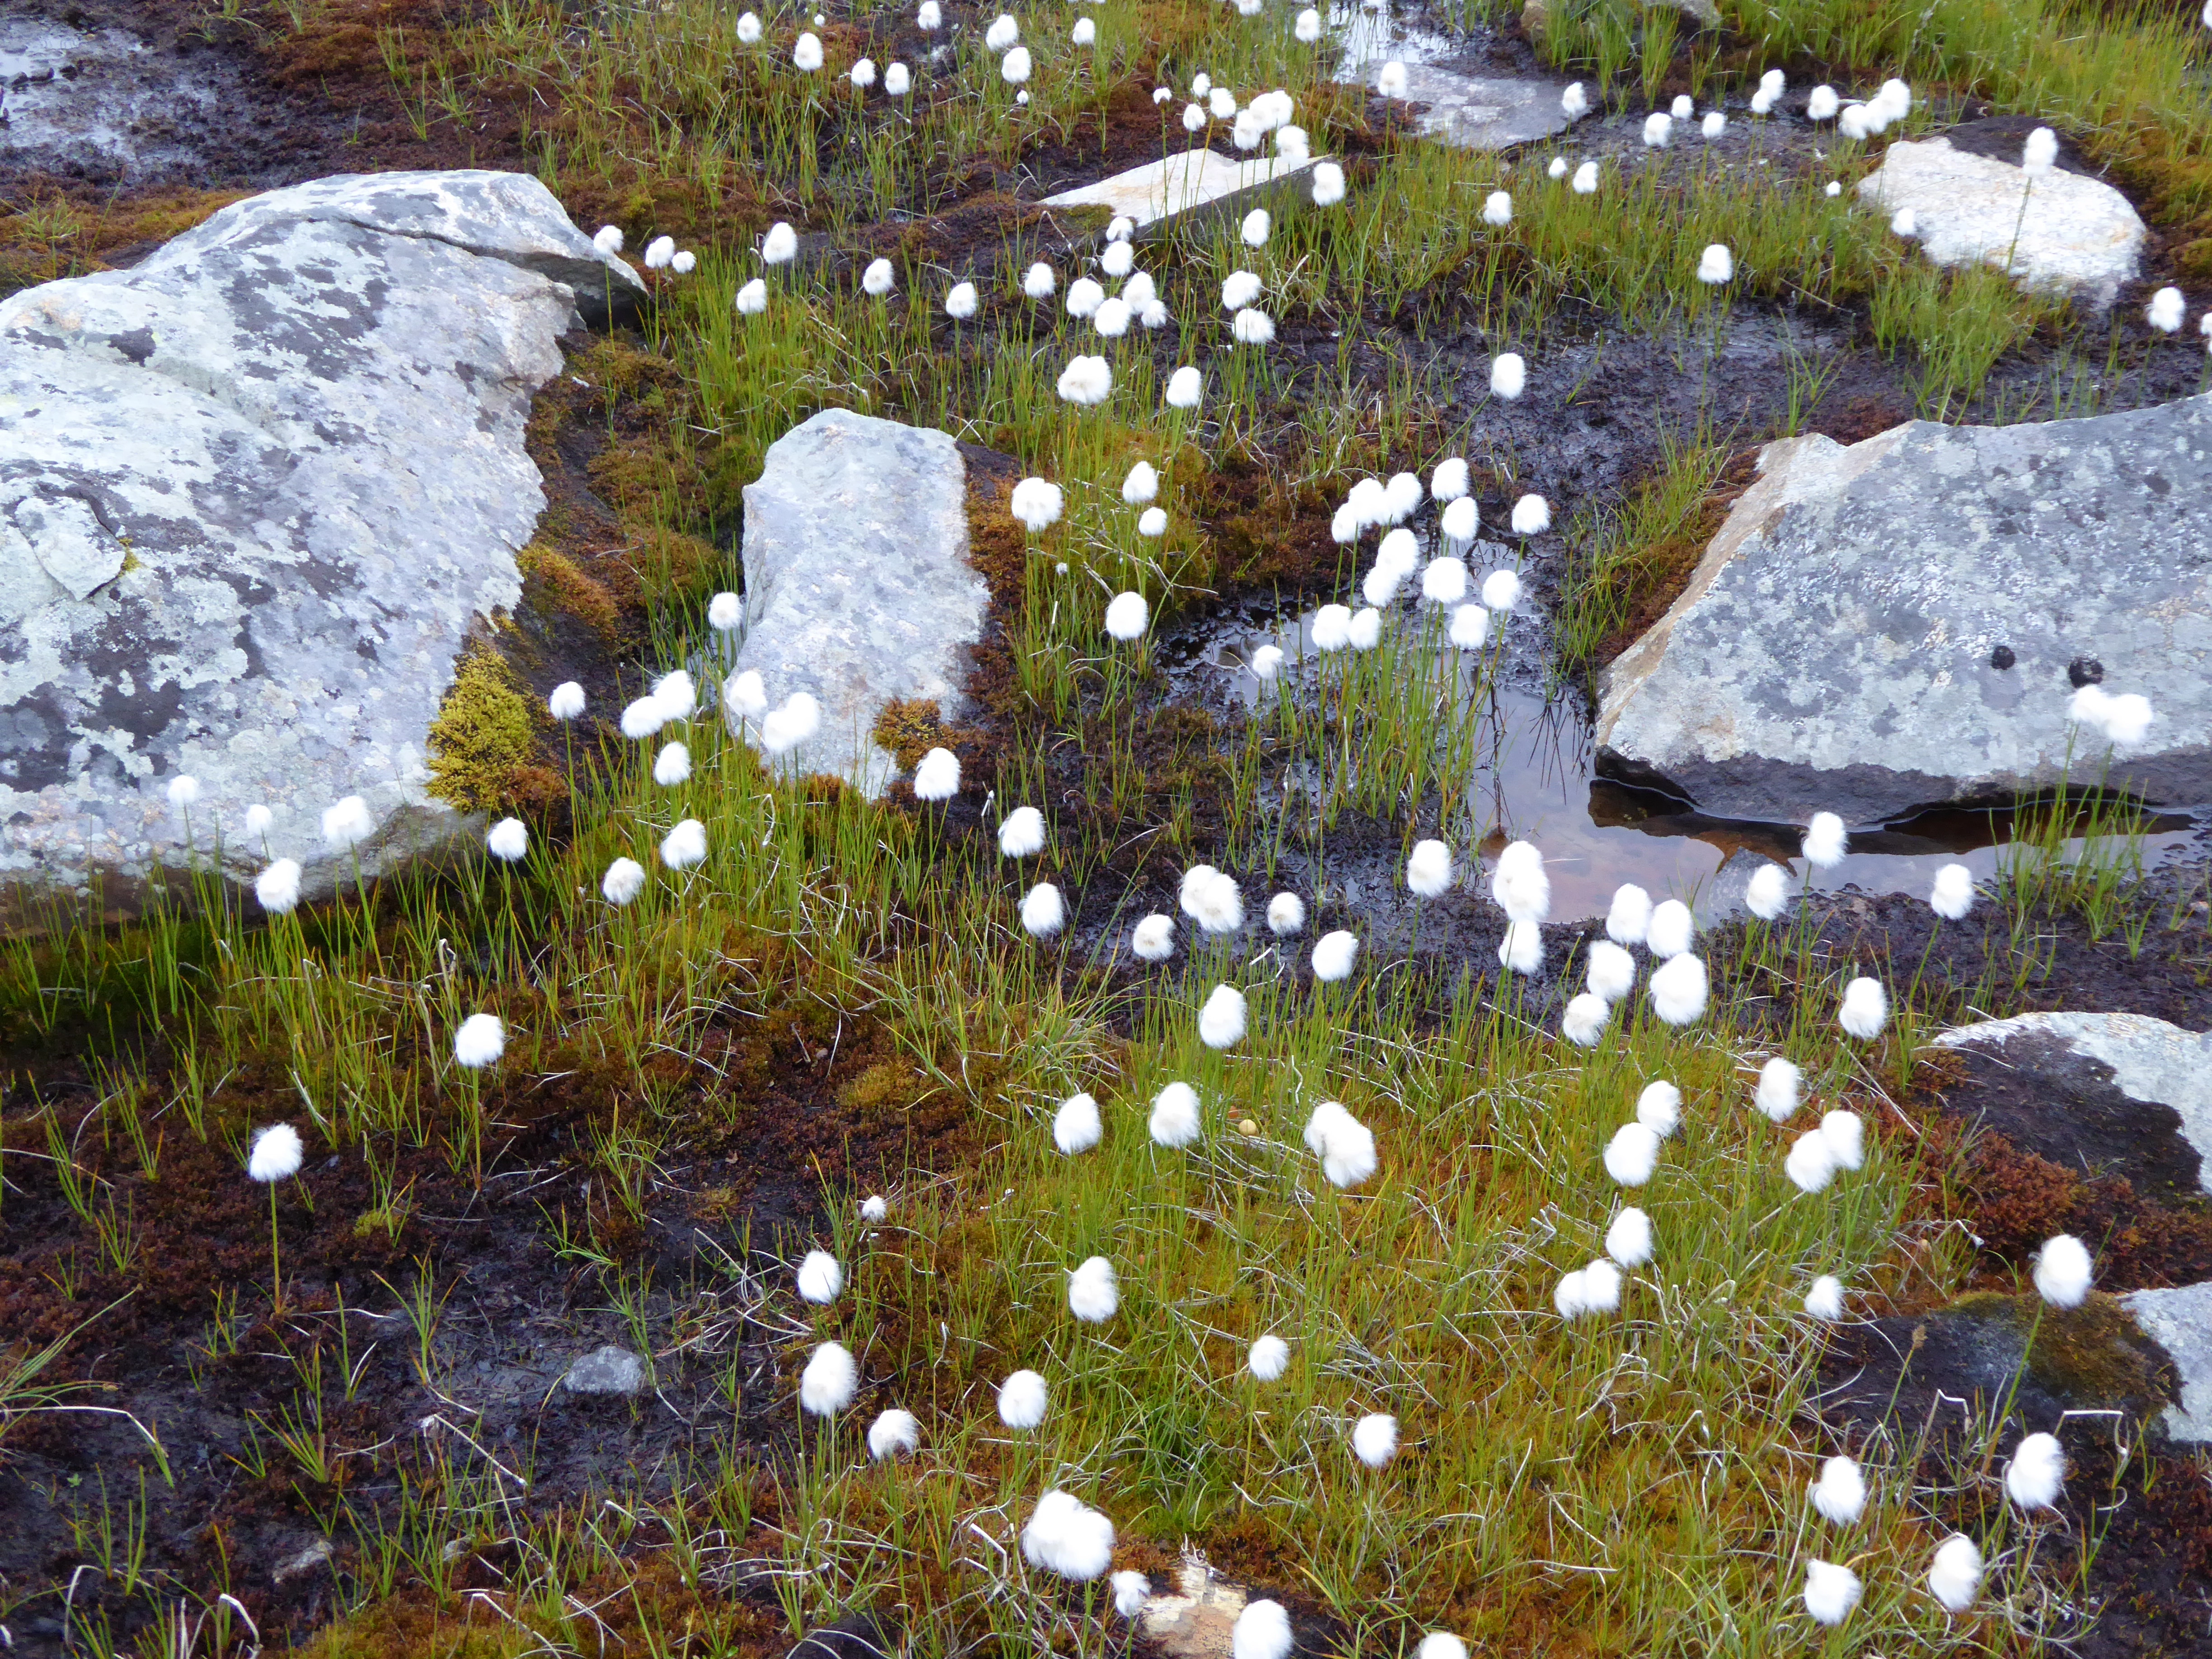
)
(353, 1438)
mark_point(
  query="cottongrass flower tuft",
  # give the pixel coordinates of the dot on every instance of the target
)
(623, 881)
(1038, 281)
(1444, 581)
(2037, 1473)
(784, 729)
(1532, 515)
(643, 718)
(567, 702)
(672, 765)
(1269, 1358)
(1334, 955)
(1585, 1020)
(864, 73)
(874, 1208)
(1035, 503)
(1194, 117)
(1252, 327)
(1043, 912)
(878, 279)
(1221, 1021)
(1084, 34)
(2040, 153)
(1126, 616)
(1585, 179)
(347, 824)
(1087, 381)
(1632, 1155)
(1831, 1591)
(960, 301)
(1142, 485)
(1840, 1494)
(1683, 108)
(1825, 1300)
(936, 777)
(1611, 971)
(1364, 632)
(684, 263)
(1865, 1010)
(1003, 33)
(752, 298)
(259, 818)
(1470, 625)
(1714, 124)
(1344, 1146)
(2062, 1271)
(1266, 660)
(1441, 1644)
(820, 1279)
(1450, 481)
(807, 53)
(684, 846)
(1659, 1109)
(1825, 841)
(1253, 232)
(1628, 918)
(1131, 1591)
(1557, 168)
(780, 246)
(895, 1433)
(1306, 29)
(609, 238)
(1522, 950)
(1286, 914)
(1111, 319)
(1574, 102)
(1152, 522)
(1716, 264)
(1185, 387)
(659, 252)
(1174, 1121)
(1904, 223)
(1015, 67)
(1767, 893)
(480, 1042)
(1658, 129)
(1093, 1292)
(1022, 834)
(1022, 1399)
(1811, 1165)
(726, 610)
(1673, 930)
(1152, 939)
(830, 1379)
(898, 80)
(1628, 1240)
(677, 694)
(1262, 1630)
(1677, 990)
(277, 888)
(1429, 870)
(927, 17)
(2121, 719)
(1390, 80)
(1519, 884)
(1497, 208)
(184, 792)
(1076, 1127)
(1067, 1537)
(1374, 1439)
(1846, 1133)
(1822, 104)
(2166, 310)
(1952, 894)
(1955, 1578)
(276, 1155)
(1508, 375)
(1777, 1095)
(1327, 183)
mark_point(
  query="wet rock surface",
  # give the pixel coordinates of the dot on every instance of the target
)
(1837, 646)
(2058, 231)
(1195, 183)
(858, 591)
(255, 495)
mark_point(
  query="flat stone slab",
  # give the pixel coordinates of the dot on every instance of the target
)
(609, 1370)
(2059, 233)
(1836, 646)
(2180, 1321)
(256, 495)
(2102, 1094)
(858, 587)
(1475, 111)
(1194, 181)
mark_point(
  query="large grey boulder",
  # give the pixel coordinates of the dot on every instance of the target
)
(1839, 644)
(858, 587)
(2057, 233)
(255, 494)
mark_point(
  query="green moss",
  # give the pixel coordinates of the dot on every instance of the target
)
(484, 735)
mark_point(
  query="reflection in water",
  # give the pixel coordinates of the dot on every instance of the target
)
(1536, 781)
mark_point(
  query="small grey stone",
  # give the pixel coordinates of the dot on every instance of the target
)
(2059, 233)
(1832, 649)
(314, 1555)
(608, 1370)
(858, 588)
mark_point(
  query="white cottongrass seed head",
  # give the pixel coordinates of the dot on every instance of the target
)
(1585, 179)
(623, 881)
(1628, 1240)
(1131, 1591)
(1022, 833)
(1532, 516)
(1221, 1021)
(898, 80)
(1659, 1109)
(1470, 624)
(1334, 955)
(1076, 1127)
(1508, 375)
(2166, 310)
(1777, 1094)
(1628, 918)
(895, 1433)
(1038, 281)
(830, 1379)
(1327, 183)
(1865, 1009)
(1023, 1399)
(672, 765)
(1094, 1293)
(1044, 913)
(479, 1042)
(1845, 1133)
(1632, 1156)
(2063, 1273)
(1067, 1537)
(1677, 990)
(1584, 1020)
(1824, 1298)
(1374, 1439)
(874, 1208)
(960, 301)
(276, 1154)
(1716, 264)
(1185, 387)
(1954, 1577)
(1035, 504)
(259, 818)
(1152, 939)
(1825, 841)
(1286, 914)
(820, 1278)
(1270, 1357)
(1253, 232)
(1429, 869)
(1522, 950)
(1831, 1591)
(807, 53)
(684, 846)
(1673, 929)
(1609, 970)
(1262, 1630)
(1951, 894)
(1767, 893)
(937, 775)
(1174, 1121)
(2036, 1474)
(277, 888)
(1811, 1165)
(1498, 207)
(752, 298)
(1840, 1494)
(347, 824)
(1126, 615)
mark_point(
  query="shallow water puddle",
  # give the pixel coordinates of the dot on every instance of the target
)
(1535, 778)
(72, 98)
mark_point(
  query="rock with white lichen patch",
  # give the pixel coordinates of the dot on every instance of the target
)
(1902, 622)
(256, 493)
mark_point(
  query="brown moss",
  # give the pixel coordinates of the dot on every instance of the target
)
(909, 728)
(552, 578)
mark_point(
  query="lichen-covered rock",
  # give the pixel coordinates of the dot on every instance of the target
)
(256, 493)
(2056, 233)
(858, 587)
(1899, 622)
